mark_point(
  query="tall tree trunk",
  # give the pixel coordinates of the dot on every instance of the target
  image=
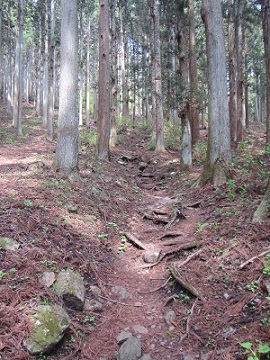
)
(158, 78)
(217, 166)
(193, 75)
(239, 74)
(103, 136)
(18, 82)
(45, 84)
(113, 134)
(1, 51)
(67, 150)
(124, 91)
(51, 73)
(87, 82)
(266, 40)
(232, 73)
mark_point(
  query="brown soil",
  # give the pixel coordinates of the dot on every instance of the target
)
(81, 225)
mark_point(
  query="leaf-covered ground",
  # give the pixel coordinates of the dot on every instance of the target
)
(205, 234)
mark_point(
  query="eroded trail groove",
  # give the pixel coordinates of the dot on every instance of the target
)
(179, 268)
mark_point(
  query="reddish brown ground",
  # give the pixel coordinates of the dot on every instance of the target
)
(111, 199)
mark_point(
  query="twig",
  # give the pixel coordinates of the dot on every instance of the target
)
(124, 304)
(254, 258)
(157, 289)
(188, 321)
(135, 241)
(188, 258)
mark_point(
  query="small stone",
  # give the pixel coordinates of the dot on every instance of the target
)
(146, 357)
(92, 306)
(9, 244)
(47, 278)
(121, 292)
(123, 336)
(131, 349)
(69, 286)
(151, 256)
(142, 166)
(226, 296)
(72, 208)
(140, 329)
(267, 287)
(170, 317)
(95, 290)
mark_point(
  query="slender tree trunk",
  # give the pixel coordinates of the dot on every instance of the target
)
(1, 52)
(51, 73)
(87, 82)
(113, 135)
(239, 74)
(158, 78)
(103, 137)
(217, 166)
(266, 38)
(232, 73)
(125, 110)
(193, 75)
(67, 150)
(46, 70)
(18, 81)
(81, 36)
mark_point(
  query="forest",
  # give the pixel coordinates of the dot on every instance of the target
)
(134, 177)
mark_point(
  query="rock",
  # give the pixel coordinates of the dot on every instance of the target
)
(146, 357)
(140, 329)
(170, 317)
(47, 278)
(95, 290)
(267, 287)
(142, 166)
(92, 305)
(131, 349)
(123, 336)
(72, 208)
(121, 292)
(189, 357)
(151, 256)
(9, 244)
(69, 286)
(48, 326)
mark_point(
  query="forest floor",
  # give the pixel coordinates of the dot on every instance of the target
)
(200, 300)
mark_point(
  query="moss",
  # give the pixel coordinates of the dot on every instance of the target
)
(48, 326)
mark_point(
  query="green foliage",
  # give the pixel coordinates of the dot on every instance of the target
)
(255, 354)
(199, 152)
(2, 274)
(253, 286)
(88, 137)
(122, 247)
(172, 136)
(266, 265)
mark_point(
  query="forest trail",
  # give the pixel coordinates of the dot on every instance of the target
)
(145, 197)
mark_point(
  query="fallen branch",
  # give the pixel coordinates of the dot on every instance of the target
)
(135, 241)
(186, 285)
(171, 234)
(157, 289)
(254, 258)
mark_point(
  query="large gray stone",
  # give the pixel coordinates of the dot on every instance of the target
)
(9, 244)
(131, 349)
(48, 326)
(146, 357)
(69, 286)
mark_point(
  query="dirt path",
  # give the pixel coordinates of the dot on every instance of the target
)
(81, 225)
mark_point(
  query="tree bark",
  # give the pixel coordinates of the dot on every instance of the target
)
(113, 134)
(193, 75)
(67, 149)
(216, 169)
(103, 137)
(266, 40)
